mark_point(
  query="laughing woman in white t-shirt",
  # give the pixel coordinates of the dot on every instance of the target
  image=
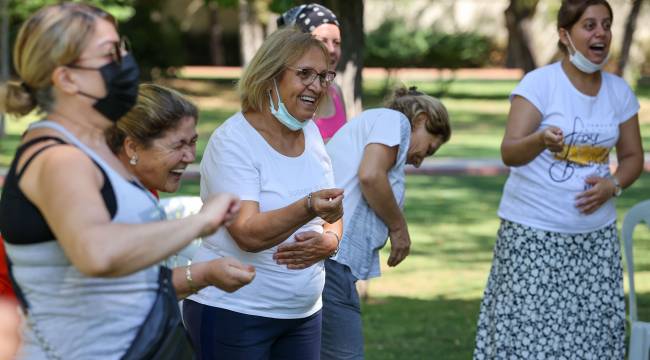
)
(556, 286)
(272, 156)
(369, 154)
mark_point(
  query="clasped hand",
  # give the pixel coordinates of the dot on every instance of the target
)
(328, 204)
(602, 189)
(309, 248)
(553, 138)
(228, 274)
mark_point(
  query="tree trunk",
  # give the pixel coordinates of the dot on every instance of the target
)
(628, 36)
(350, 15)
(518, 17)
(4, 53)
(216, 36)
(251, 32)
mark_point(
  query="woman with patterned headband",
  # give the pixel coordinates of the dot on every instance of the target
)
(324, 26)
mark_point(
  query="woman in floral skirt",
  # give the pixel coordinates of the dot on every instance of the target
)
(555, 290)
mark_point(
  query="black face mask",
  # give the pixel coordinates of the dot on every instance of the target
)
(121, 82)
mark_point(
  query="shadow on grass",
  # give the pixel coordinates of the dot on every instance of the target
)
(440, 328)
(406, 328)
(478, 120)
(463, 151)
(462, 205)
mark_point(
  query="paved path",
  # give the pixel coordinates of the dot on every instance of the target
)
(234, 72)
(433, 166)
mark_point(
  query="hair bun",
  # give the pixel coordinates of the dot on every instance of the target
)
(413, 90)
(17, 98)
(400, 92)
(403, 91)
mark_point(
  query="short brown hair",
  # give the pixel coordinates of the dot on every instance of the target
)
(53, 36)
(412, 103)
(571, 11)
(158, 110)
(282, 48)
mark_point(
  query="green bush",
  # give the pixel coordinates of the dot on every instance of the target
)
(457, 50)
(156, 40)
(393, 45)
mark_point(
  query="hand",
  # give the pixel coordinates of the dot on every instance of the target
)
(328, 204)
(602, 189)
(228, 274)
(310, 247)
(218, 209)
(553, 138)
(400, 245)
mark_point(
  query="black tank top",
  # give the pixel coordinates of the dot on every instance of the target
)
(21, 222)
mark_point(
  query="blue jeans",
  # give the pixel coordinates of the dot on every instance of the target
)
(223, 334)
(342, 328)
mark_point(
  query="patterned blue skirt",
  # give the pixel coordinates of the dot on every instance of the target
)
(553, 296)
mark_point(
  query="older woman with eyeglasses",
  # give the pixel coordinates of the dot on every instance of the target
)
(321, 23)
(272, 156)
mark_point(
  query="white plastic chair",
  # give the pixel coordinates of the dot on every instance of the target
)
(179, 207)
(640, 330)
(175, 208)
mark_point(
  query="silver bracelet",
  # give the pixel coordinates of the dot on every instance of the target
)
(309, 208)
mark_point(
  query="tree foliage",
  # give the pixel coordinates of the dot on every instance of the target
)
(393, 45)
(21, 9)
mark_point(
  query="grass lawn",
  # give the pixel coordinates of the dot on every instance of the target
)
(478, 112)
(426, 308)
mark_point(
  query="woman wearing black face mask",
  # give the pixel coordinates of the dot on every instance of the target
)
(82, 235)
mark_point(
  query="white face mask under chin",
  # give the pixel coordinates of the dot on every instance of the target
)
(582, 63)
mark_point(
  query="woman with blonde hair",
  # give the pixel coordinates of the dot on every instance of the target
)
(368, 156)
(321, 23)
(83, 236)
(272, 156)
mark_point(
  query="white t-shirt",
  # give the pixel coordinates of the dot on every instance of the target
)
(542, 193)
(238, 160)
(346, 148)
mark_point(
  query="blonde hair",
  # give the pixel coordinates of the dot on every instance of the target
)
(53, 36)
(281, 49)
(412, 103)
(158, 110)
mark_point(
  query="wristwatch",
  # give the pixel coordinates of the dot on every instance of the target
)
(618, 189)
(338, 242)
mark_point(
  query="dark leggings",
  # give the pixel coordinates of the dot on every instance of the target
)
(223, 334)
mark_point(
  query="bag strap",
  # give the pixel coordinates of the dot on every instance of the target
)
(45, 345)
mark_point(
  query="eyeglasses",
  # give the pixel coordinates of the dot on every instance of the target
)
(117, 52)
(120, 49)
(308, 75)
